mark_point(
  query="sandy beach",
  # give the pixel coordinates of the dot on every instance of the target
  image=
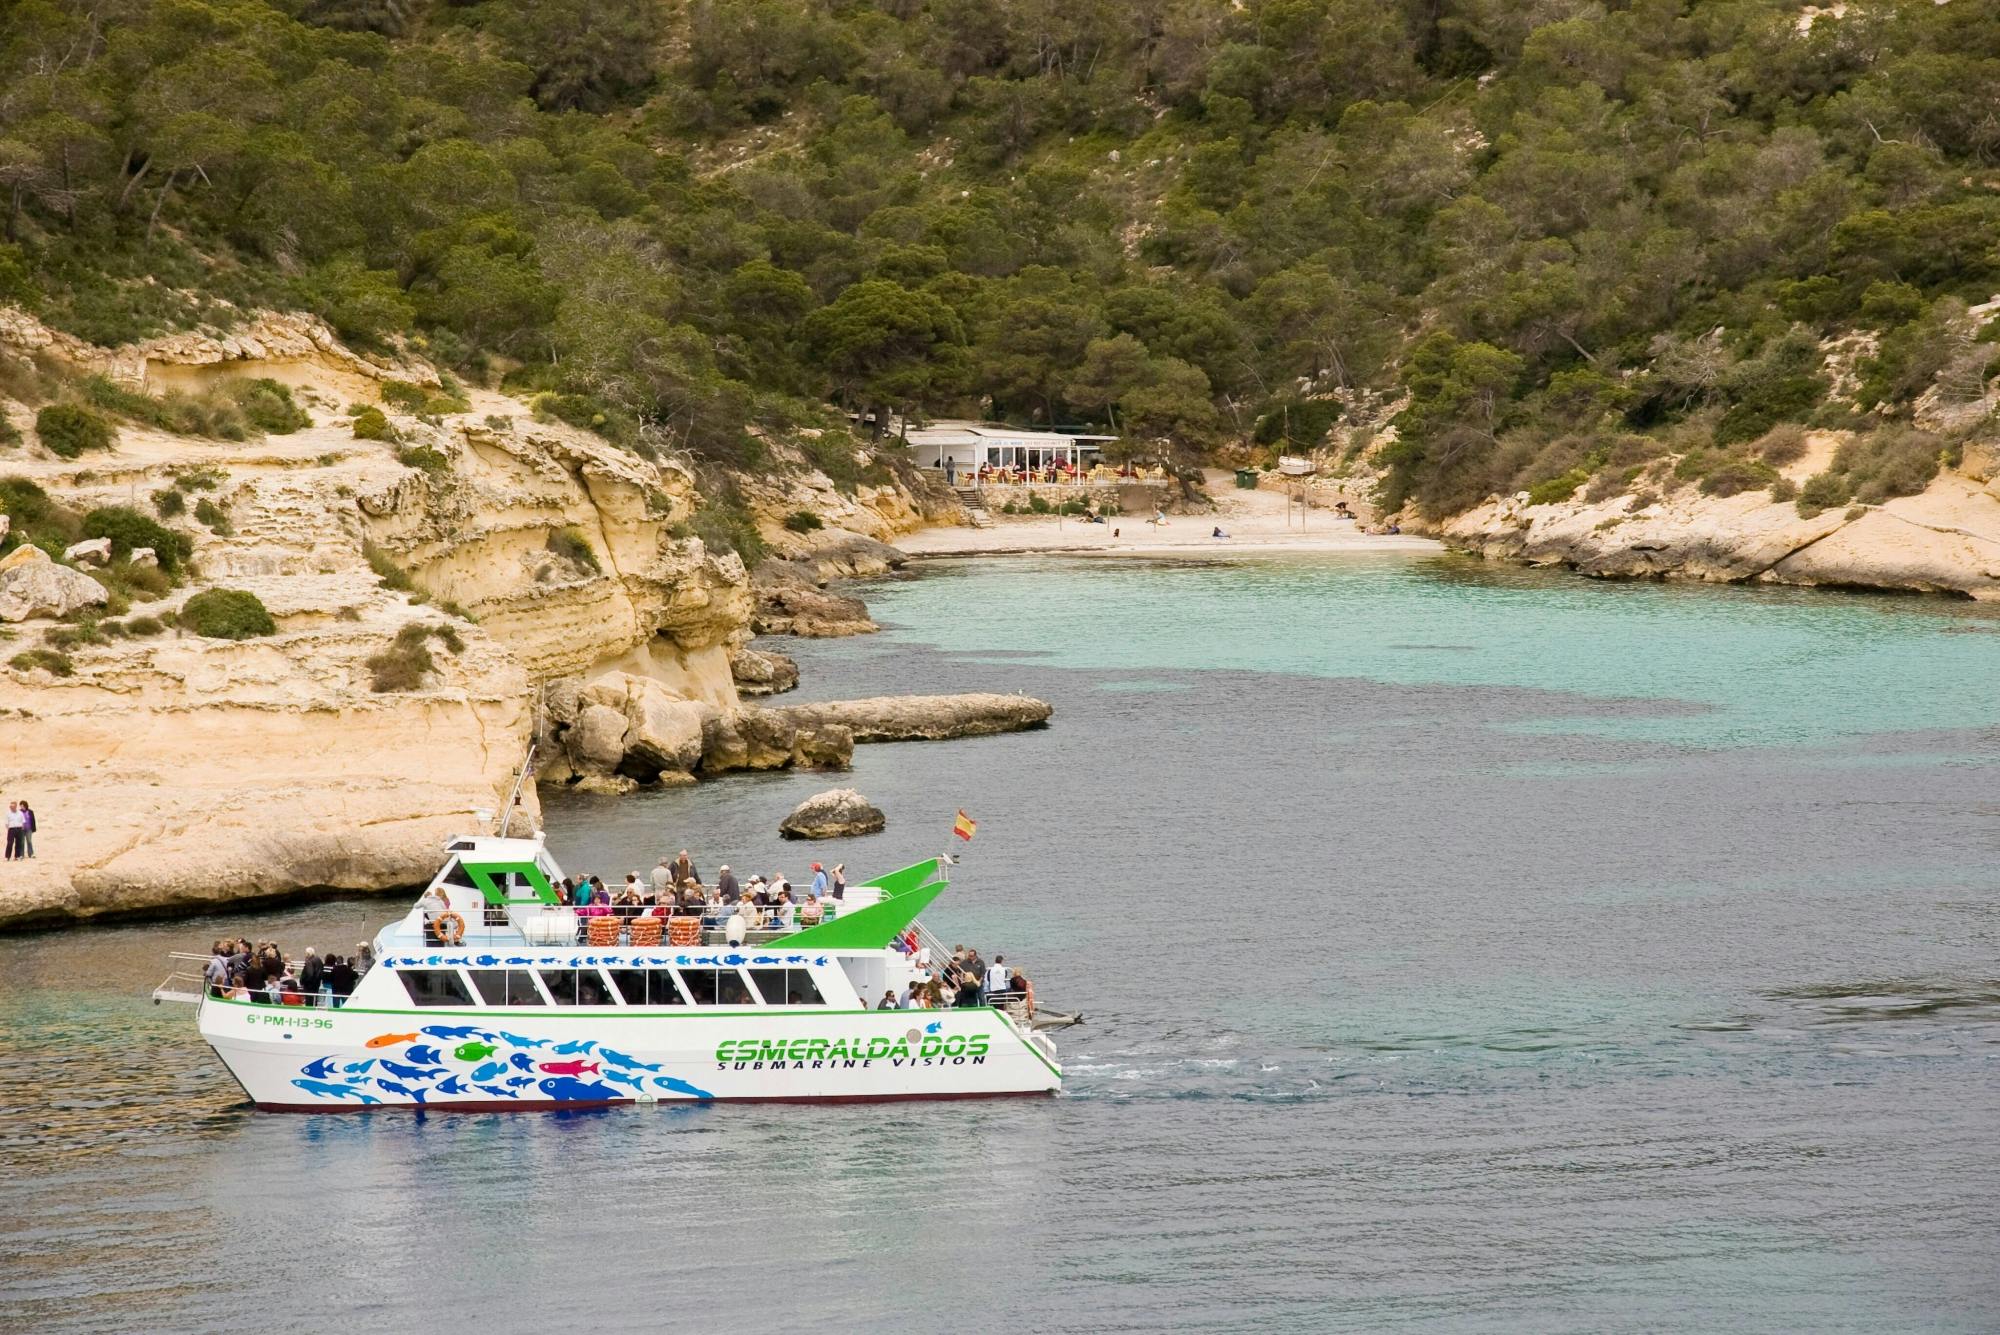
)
(1256, 522)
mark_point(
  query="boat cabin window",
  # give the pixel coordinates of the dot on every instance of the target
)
(717, 987)
(646, 987)
(787, 987)
(506, 987)
(577, 987)
(435, 987)
(456, 874)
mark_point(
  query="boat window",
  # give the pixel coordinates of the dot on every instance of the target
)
(435, 987)
(458, 875)
(717, 987)
(506, 987)
(592, 990)
(787, 987)
(561, 984)
(646, 987)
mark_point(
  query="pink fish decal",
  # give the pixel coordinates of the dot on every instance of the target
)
(577, 1067)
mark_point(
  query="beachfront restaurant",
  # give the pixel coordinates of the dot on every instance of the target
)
(1001, 454)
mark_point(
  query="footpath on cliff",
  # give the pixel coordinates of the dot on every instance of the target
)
(430, 577)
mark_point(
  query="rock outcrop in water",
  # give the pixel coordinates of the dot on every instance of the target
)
(837, 814)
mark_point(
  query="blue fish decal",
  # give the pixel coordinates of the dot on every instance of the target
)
(402, 1072)
(324, 1089)
(517, 1041)
(500, 1091)
(933, 1026)
(318, 1069)
(451, 1084)
(356, 1068)
(573, 1047)
(515, 1082)
(623, 1078)
(765, 959)
(490, 1071)
(795, 959)
(518, 960)
(486, 961)
(423, 1054)
(821, 961)
(681, 1087)
(733, 959)
(521, 1061)
(455, 1031)
(568, 1089)
(624, 1062)
(394, 1088)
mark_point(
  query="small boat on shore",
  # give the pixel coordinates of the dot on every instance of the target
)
(506, 999)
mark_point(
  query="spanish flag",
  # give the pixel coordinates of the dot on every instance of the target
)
(965, 826)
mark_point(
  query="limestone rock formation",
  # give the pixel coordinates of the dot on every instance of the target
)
(761, 672)
(905, 718)
(835, 814)
(791, 602)
(92, 551)
(38, 587)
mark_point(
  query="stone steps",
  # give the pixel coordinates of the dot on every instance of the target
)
(975, 505)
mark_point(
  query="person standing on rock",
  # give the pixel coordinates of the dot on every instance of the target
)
(15, 823)
(27, 829)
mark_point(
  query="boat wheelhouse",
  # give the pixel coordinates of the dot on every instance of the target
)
(508, 998)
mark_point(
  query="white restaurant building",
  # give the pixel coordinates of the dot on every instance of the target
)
(970, 446)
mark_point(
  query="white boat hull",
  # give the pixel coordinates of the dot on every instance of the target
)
(312, 1059)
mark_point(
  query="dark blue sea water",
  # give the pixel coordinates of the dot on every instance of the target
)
(1461, 949)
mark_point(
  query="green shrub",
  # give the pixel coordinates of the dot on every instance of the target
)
(68, 429)
(125, 582)
(144, 625)
(169, 503)
(370, 424)
(424, 458)
(834, 454)
(1784, 489)
(34, 518)
(128, 529)
(571, 545)
(54, 661)
(1823, 491)
(803, 521)
(1038, 505)
(213, 517)
(386, 570)
(226, 614)
(1301, 421)
(404, 664)
(1735, 475)
(1783, 444)
(269, 406)
(199, 479)
(86, 631)
(1558, 488)
(10, 435)
(401, 394)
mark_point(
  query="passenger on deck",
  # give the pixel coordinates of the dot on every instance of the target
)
(433, 903)
(340, 975)
(738, 925)
(996, 978)
(819, 882)
(756, 892)
(364, 957)
(888, 1001)
(312, 975)
(687, 900)
(777, 885)
(906, 1000)
(812, 914)
(683, 869)
(663, 881)
(839, 890)
(216, 972)
(632, 888)
(725, 884)
(1027, 991)
(783, 913)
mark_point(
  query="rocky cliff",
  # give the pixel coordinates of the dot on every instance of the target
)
(171, 770)
(1945, 539)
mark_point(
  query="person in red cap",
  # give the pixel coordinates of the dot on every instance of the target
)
(819, 881)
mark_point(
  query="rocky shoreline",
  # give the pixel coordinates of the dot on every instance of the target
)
(552, 574)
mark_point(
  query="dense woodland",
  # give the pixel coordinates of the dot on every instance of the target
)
(1579, 235)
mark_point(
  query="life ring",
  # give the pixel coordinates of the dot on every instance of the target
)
(449, 929)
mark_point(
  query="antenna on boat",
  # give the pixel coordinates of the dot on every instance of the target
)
(527, 768)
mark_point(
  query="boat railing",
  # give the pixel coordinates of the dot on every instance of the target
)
(186, 979)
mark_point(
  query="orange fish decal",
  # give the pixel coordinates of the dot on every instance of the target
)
(391, 1040)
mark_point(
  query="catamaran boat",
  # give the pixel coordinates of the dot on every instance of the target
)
(505, 998)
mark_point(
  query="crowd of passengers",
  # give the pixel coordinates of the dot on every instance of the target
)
(963, 980)
(675, 890)
(241, 971)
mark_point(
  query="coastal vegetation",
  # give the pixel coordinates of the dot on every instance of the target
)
(1557, 246)
(226, 614)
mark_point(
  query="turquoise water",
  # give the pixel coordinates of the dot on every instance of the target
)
(1461, 948)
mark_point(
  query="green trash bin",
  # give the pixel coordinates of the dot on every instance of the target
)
(1246, 479)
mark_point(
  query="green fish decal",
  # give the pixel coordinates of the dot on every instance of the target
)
(472, 1052)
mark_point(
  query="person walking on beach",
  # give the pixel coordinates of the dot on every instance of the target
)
(27, 829)
(15, 823)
